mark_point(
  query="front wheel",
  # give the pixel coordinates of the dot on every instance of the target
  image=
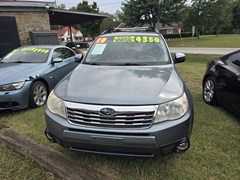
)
(38, 94)
(210, 91)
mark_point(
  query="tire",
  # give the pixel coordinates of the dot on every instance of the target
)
(38, 94)
(210, 91)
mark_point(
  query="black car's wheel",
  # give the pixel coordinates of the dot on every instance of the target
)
(210, 91)
(38, 94)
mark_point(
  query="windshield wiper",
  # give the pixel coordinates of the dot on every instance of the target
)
(92, 63)
(21, 62)
(135, 64)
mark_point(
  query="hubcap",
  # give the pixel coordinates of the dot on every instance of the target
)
(40, 94)
(209, 90)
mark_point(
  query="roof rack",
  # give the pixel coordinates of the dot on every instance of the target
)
(134, 29)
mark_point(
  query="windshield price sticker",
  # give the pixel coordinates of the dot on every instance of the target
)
(36, 50)
(15, 50)
(98, 49)
(139, 39)
(124, 39)
(101, 40)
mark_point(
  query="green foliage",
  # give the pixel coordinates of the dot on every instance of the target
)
(139, 12)
(236, 16)
(209, 15)
(61, 6)
(110, 22)
(85, 7)
(90, 29)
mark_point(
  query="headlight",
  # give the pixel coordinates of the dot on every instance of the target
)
(12, 86)
(172, 110)
(56, 105)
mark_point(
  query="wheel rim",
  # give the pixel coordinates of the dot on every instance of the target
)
(209, 90)
(40, 94)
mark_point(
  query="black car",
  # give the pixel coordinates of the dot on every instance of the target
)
(221, 82)
(79, 47)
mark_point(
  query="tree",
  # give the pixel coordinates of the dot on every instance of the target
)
(197, 15)
(61, 6)
(209, 15)
(236, 16)
(89, 28)
(139, 12)
(111, 22)
(219, 14)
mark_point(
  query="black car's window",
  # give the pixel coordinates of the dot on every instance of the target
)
(27, 55)
(63, 53)
(71, 44)
(82, 45)
(235, 58)
(128, 50)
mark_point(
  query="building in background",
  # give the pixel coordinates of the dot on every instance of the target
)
(64, 35)
(173, 28)
(25, 22)
(29, 16)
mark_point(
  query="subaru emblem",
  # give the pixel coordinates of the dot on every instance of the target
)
(107, 112)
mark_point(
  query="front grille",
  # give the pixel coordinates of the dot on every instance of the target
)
(121, 119)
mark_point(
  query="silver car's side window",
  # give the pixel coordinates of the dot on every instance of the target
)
(63, 53)
(57, 53)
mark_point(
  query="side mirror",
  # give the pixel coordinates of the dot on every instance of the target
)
(179, 58)
(78, 57)
(57, 60)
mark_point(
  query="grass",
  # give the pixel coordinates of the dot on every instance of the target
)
(222, 41)
(214, 151)
(14, 166)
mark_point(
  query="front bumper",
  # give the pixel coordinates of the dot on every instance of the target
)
(161, 138)
(14, 100)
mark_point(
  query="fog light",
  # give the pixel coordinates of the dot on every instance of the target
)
(183, 146)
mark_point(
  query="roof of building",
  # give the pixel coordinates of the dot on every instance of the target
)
(25, 5)
(66, 17)
(56, 16)
(62, 31)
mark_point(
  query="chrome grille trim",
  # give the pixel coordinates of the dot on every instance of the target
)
(133, 117)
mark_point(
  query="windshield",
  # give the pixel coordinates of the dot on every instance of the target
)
(27, 55)
(128, 50)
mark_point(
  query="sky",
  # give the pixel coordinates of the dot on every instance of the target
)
(110, 6)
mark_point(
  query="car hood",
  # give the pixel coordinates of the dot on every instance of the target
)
(121, 85)
(14, 72)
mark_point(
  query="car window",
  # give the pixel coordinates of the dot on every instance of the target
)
(27, 55)
(71, 44)
(67, 53)
(82, 45)
(128, 50)
(235, 59)
(63, 53)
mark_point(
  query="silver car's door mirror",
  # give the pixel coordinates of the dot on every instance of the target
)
(79, 57)
(57, 60)
(179, 58)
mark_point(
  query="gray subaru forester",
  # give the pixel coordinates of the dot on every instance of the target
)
(125, 98)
